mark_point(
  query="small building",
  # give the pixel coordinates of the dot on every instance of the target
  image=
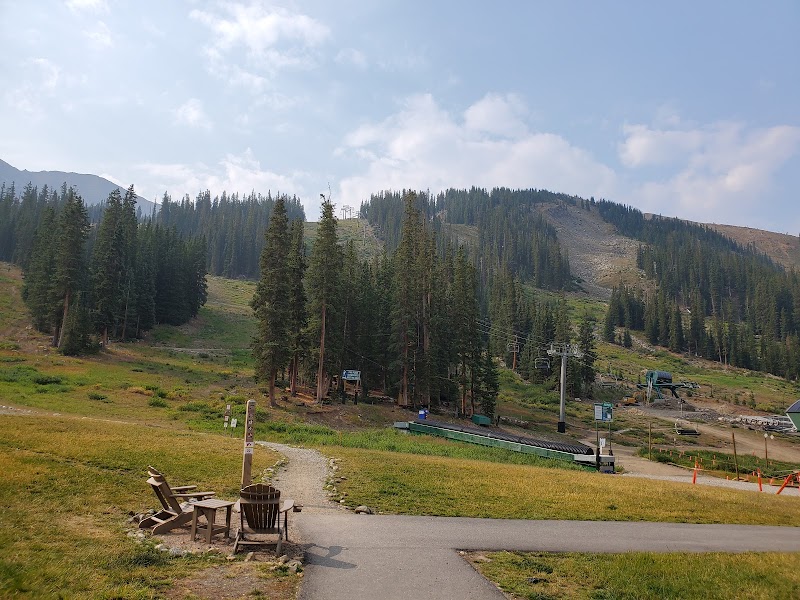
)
(793, 412)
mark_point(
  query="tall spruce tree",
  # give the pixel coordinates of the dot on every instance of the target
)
(73, 229)
(586, 343)
(38, 289)
(324, 295)
(271, 302)
(107, 268)
(298, 318)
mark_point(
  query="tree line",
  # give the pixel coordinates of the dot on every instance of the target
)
(113, 279)
(510, 233)
(232, 227)
(709, 296)
(408, 320)
(414, 320)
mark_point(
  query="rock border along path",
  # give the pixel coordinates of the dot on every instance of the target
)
(362, 557)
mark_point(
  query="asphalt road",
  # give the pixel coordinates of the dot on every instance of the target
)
(360, 557)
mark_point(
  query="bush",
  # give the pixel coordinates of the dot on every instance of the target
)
(97, 396)
(157, 402)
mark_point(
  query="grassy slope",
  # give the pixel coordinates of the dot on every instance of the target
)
(88, 474)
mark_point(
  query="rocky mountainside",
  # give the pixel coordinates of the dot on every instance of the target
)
(601, 258)
(782, 248)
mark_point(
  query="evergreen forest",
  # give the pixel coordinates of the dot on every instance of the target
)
(707, 296)
(114, 278)
(466, 277)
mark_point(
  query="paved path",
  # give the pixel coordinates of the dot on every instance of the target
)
(363, 557)
(356, 557)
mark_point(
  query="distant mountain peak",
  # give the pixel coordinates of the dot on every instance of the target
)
(92, 188)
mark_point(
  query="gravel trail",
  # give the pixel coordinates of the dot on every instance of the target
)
(303, 477)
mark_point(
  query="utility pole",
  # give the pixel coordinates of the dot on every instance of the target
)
(513, 347)
(564, 351)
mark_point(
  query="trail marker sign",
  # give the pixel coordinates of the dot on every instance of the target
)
(603, 412)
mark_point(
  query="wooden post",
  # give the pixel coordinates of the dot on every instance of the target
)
(247, 459)
(649, 440)
(735, 460)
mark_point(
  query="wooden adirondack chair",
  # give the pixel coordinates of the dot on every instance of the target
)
(176, 511)
(260, 513)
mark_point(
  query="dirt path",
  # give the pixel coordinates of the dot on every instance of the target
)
(303, 477)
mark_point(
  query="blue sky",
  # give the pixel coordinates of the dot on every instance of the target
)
(688, 109)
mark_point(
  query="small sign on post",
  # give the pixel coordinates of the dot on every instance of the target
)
(249, 433)
(349, 375)
(603, 412)
(227, 416)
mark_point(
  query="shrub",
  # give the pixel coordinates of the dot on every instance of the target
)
(139, 390)
(157, 402)
(47, 379)
(97, 396)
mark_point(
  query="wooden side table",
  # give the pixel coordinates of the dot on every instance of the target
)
(208, 508)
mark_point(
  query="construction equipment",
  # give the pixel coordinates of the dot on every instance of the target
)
(656, 381)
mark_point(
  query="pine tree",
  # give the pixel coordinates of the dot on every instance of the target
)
(324, 295)
(38, 290)
(586, 343)
(608, 325)
(271, 302)
(464, 324)
(128, 233)
(407, 309)
(627, 341)
(107, 268)
(298, 318)
(73, 228)
(489, 385)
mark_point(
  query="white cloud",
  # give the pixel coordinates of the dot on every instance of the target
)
(29, 96)
(271, 38)
(98, 6)
(100, 36)
(425, 147)
(499, 115)
(234, 173)
(191, 113)
(717, 173)
(351, 56)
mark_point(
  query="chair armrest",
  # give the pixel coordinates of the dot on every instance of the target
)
(195, 495)
(286, 505)
(183, 488)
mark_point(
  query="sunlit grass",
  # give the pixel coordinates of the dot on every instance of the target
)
(435, 485)
(644, 575)
(68, 487)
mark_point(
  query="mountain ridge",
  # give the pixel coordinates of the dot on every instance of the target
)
(92, 188)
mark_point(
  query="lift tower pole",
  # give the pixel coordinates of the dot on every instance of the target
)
(564, 351)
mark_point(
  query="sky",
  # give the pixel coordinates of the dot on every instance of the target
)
(687, 109)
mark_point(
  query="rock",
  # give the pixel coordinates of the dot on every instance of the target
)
(282, 559)
(342, 501)
(250, 556)
(162, 548)
(364, 510)
(177, 551)
(231, 557)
